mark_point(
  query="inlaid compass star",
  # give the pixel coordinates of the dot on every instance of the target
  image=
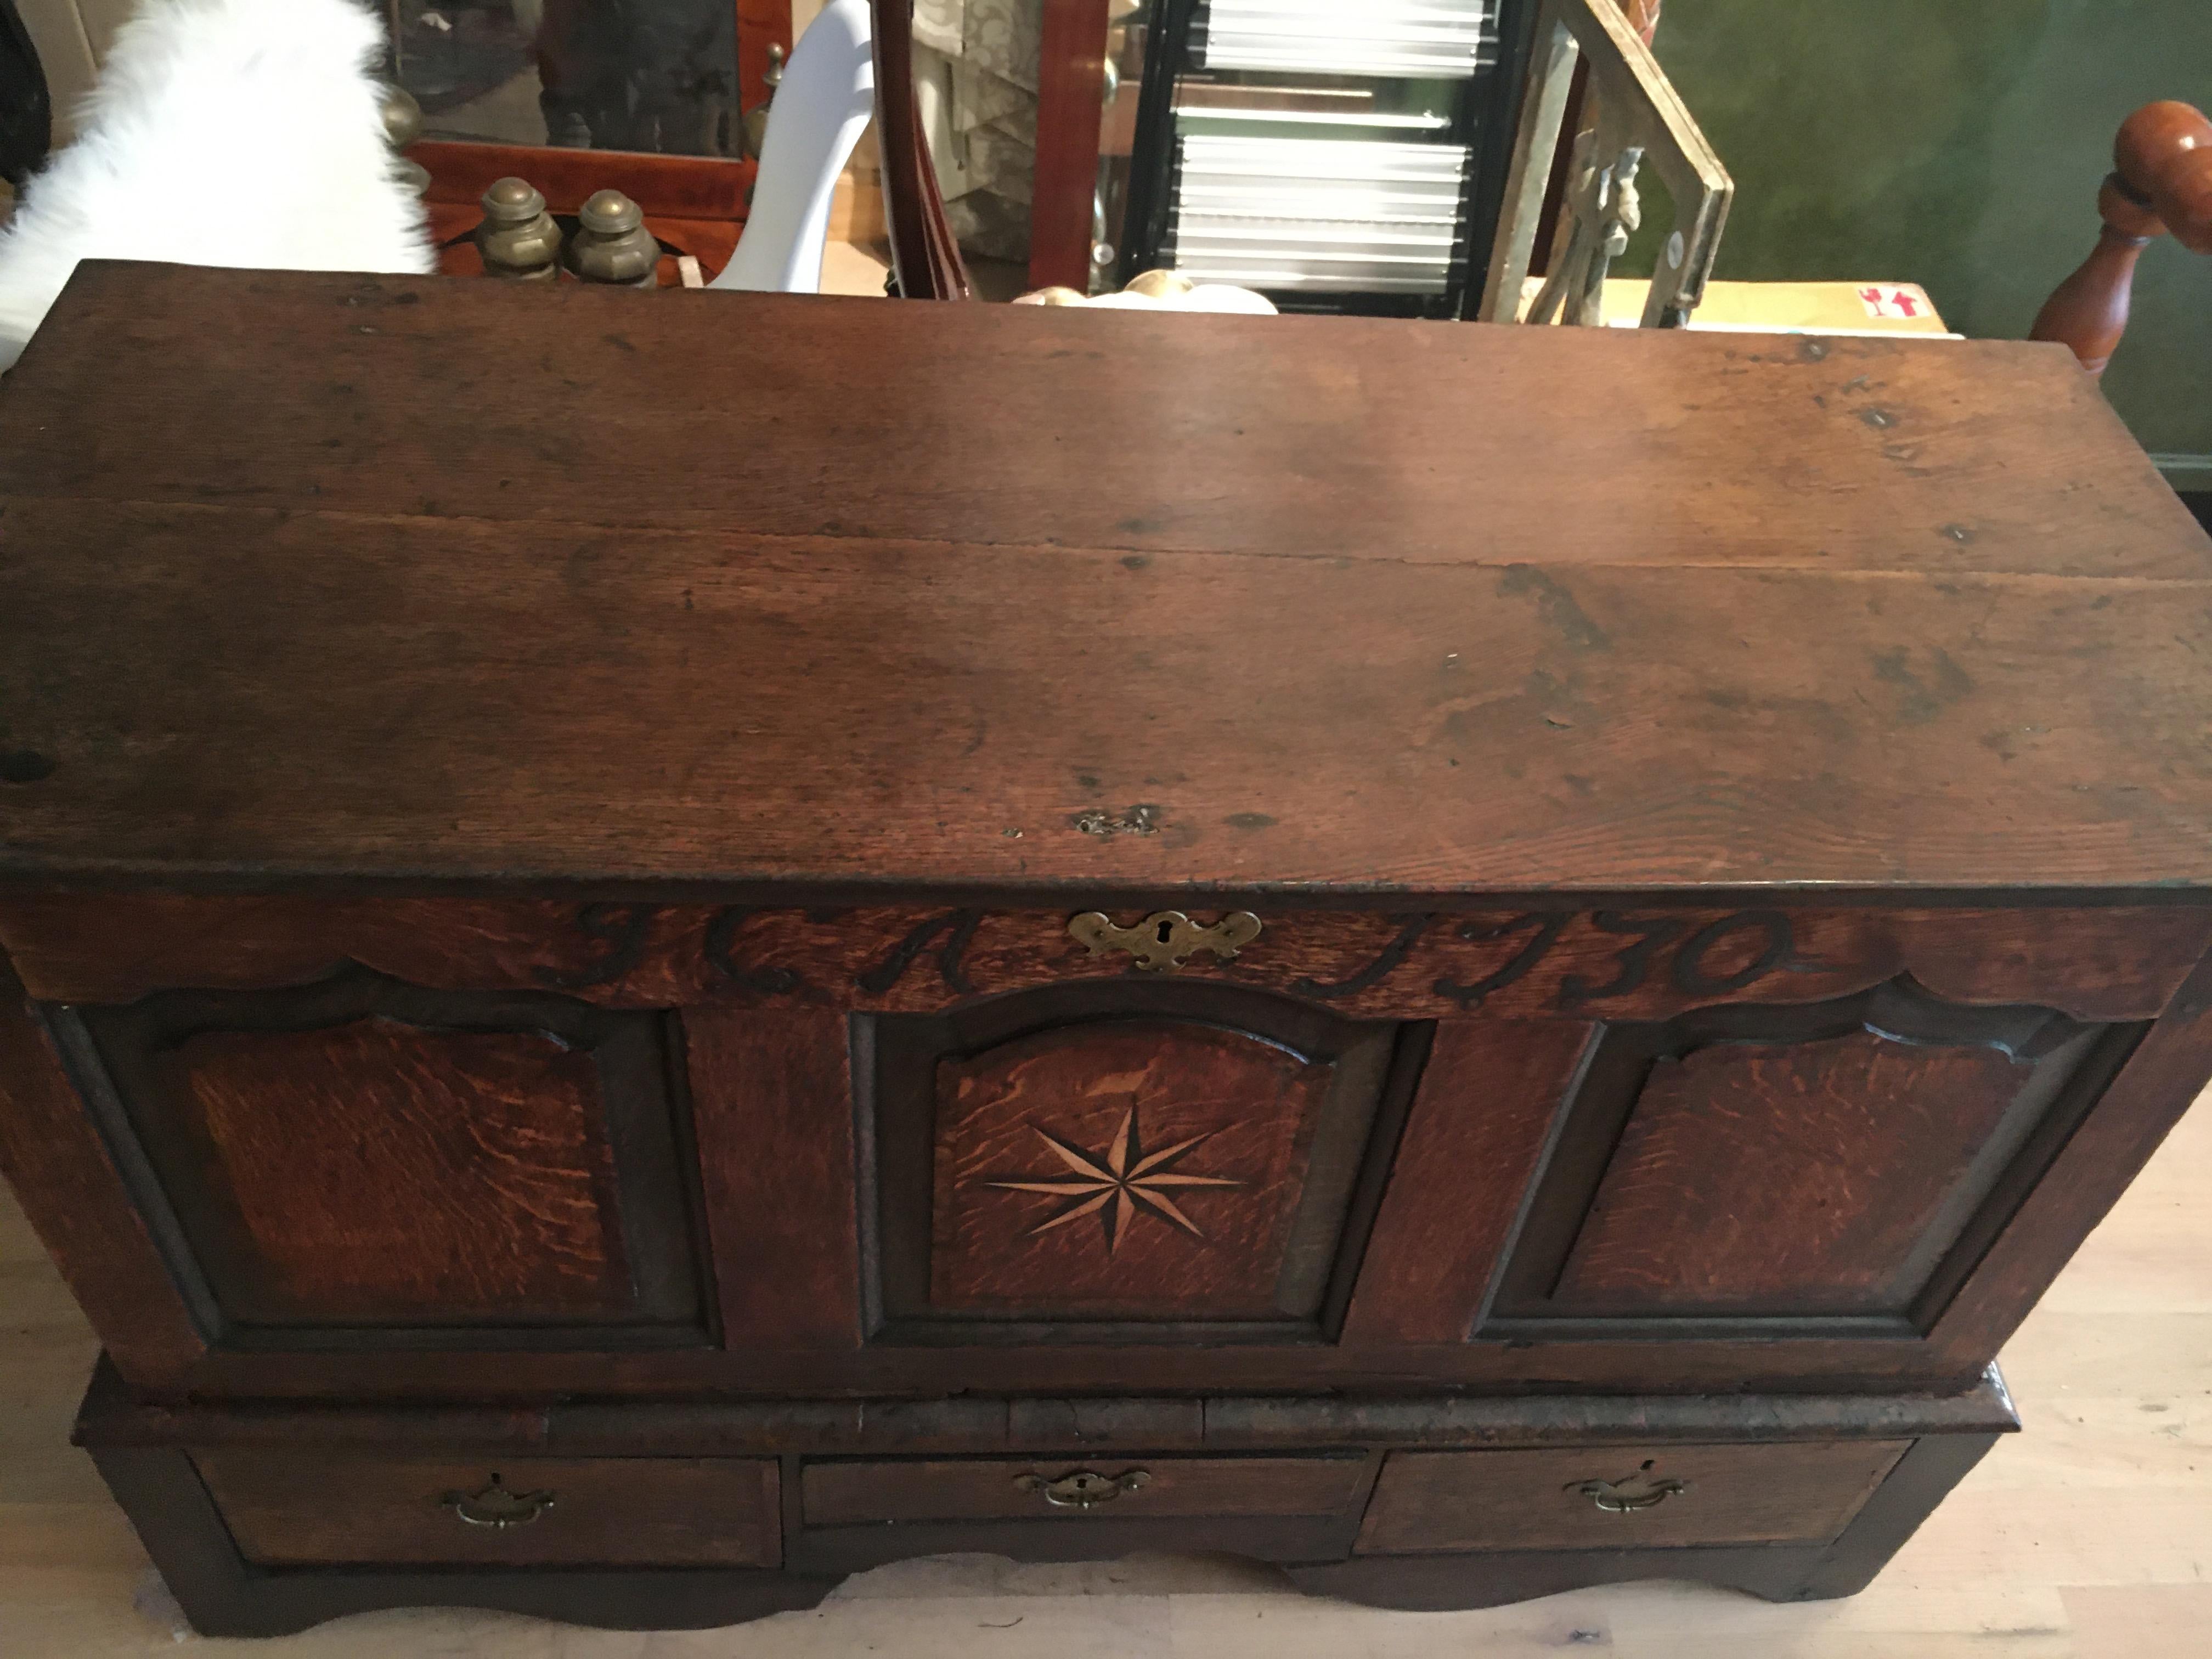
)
(1119, 1184)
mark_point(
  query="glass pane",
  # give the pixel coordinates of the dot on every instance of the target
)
(642, 75)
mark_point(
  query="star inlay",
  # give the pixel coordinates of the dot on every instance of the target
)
(1119, 1184)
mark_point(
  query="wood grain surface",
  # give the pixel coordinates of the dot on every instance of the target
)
(1780, 1493)
(1480, 1127)
(496, 1142)
(1516, 962)
(306, 1505)
(983, 1489)
(772, 1117)
(1796, 1178)
(1175, 1154)
(1870, 613)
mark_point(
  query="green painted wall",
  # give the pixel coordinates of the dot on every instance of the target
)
(1956, 143)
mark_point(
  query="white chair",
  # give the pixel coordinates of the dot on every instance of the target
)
(827, 95)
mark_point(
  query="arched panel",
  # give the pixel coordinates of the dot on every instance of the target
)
(361, 1160)
(1786, 1169)
(1079, 1157)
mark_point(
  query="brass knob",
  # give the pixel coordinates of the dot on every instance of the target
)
(518, 238)
(402, 116)
(756, 122)
(1084, 1489)
(496, 1507)
(612, 244)
(403, 125)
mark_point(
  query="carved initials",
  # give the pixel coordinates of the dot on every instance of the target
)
(721, 937)
(623, 928)
(957, 926)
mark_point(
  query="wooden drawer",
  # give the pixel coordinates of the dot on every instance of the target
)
(358, 1509)
(1620, 1497)
(1140, 1489)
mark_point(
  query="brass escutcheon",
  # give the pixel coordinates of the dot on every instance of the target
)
(1166, 938)
(1630, 1493)
(1083, 1490)
(496, 1507)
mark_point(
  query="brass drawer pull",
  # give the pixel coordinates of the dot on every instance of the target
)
(1083, 1490)
(497, 1507)
(1631, 1493)
(1166, 938)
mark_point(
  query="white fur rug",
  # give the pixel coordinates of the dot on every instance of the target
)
(222, 132)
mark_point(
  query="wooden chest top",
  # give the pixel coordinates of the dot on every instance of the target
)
(326, 579)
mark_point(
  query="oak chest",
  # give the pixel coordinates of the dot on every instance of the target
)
(664, 946)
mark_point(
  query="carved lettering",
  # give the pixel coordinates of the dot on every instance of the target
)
(957, 928)
(721, 939)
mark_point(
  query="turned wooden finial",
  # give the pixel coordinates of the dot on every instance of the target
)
(2160, 184)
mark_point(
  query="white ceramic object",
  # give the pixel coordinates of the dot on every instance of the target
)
(828, 94)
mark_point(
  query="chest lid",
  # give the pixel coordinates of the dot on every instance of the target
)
(319, 578)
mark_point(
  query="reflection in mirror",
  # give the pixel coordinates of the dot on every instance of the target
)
(975, 83)
(660, 75)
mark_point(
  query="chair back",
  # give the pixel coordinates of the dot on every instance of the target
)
(925, 257)
(821, 106)
(2160, 184)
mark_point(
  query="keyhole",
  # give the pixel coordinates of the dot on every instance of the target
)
(1167, 931)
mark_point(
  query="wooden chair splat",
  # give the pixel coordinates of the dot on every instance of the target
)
(2160, 184)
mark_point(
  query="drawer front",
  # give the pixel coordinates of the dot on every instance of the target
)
(1622, 1498)
(288, 1509)
(1075, 1488)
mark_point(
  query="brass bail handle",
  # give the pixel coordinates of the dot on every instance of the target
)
(1633, 1493)
(1084, 1489)
(497, 1506)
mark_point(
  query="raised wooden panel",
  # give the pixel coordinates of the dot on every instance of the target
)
(1150, 1153)
(1536, 1500)
(366, 1161)
(1799, 1177)
(1133, 1168)
(1844, 1162)
(379, 1173)
(311, 1507)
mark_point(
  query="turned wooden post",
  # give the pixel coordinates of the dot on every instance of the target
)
(2160, 184)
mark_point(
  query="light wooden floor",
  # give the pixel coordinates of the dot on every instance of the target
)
(2090, 1535)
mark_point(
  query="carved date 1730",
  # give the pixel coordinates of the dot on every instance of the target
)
(1696, 956)
(1690, 965)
